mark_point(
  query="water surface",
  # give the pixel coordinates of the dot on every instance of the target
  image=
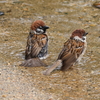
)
(63, 17)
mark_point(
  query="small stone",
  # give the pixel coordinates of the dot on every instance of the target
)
(8, 11)
(1, 13)
(92, 24)
(25, 9)
(8, 63)
(6, 40)
(66, 13)
(4, 96)
(50, 99)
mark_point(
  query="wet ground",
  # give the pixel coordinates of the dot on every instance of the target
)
(63, 17)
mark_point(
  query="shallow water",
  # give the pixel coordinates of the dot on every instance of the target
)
(63, 16)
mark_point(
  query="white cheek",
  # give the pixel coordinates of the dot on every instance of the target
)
(84, 38)
(81, 39)
(78, 38)
(40, 30)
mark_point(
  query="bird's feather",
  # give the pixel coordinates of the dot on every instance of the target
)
(35, 45)
(71, 51)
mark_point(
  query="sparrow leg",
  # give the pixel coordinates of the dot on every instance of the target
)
(50, 69)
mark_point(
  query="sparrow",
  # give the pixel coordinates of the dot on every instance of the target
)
(37, 44)
(72, 52)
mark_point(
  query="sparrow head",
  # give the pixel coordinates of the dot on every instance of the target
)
(79, 35)
(39, 27)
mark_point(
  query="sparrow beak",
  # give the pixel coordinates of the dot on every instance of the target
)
(45, 27)
(86, 34)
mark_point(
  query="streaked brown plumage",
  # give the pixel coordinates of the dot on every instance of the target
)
(72, 51)
(37, 44)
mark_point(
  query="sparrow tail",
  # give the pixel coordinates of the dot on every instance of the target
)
(50, 69)
(34, 62)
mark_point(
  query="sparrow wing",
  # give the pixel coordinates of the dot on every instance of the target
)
(70, 53)
(44, 49)
(65, 50)
(35, 45)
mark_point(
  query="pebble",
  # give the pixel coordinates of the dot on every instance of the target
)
(1, 13)
(4, 96)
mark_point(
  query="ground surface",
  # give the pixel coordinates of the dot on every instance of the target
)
(63, 17)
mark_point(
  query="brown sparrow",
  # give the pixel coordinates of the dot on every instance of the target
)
(37, 44)
(72, 52)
